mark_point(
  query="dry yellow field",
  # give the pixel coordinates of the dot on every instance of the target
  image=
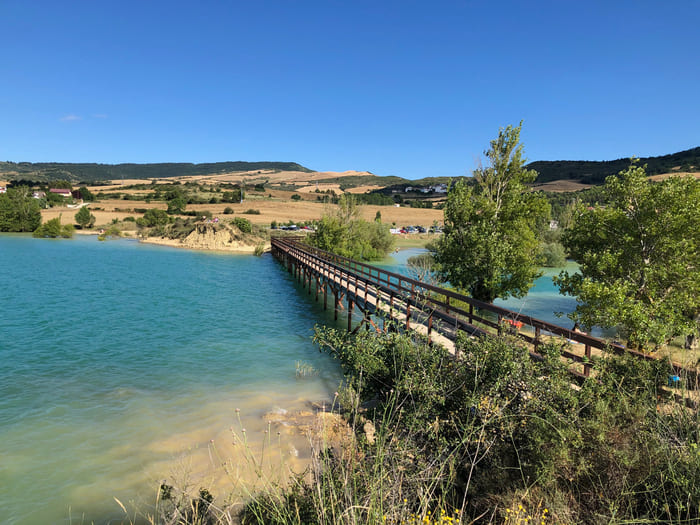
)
(272, 209)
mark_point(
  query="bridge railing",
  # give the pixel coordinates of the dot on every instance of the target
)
(460, 310)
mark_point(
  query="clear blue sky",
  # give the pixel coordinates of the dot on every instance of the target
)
(401, 88)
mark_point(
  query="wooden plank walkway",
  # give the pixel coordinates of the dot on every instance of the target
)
(436, 312)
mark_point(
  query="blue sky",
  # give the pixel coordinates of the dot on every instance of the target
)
(401, 88)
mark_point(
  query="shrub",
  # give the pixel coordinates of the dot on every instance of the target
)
(493, 427)
(251, 211)
(243, 224)
(155, 217)
(296, 197)
(228, 210)
(54, 229)
(553, 255)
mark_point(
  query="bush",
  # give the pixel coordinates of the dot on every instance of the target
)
(492, 428)
(177, 205)
(347, 235)
(228, 210)
(155, 217)
(54, 229)
(251, 211)
(553, 255)
(296, 197)
(243, 224)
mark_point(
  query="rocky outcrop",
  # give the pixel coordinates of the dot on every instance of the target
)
(220, 236)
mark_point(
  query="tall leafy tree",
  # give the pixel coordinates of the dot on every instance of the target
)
(489, 247)
(639, 259)
(19, 211)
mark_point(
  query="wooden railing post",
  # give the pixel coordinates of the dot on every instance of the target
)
(587, 364)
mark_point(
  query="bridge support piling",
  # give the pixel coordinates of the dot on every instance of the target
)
(350, 307)
(325, 295)
(335, 293)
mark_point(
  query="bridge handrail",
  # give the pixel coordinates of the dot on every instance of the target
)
(415, 290)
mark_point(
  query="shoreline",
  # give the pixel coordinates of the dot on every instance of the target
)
(245, 249)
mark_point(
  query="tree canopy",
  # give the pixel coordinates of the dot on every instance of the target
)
(84, 218)
(489, 247)
(19, 211)
(639, 258)
(342, 231)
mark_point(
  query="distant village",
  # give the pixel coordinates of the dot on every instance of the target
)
(436, 188)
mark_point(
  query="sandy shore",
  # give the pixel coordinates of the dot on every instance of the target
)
(177, 243)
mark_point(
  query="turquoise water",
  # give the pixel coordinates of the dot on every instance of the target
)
(119, 361)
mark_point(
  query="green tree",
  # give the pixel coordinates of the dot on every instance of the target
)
(84, 218)
(19, 211)
(177, 205)
(490, 248)
(86, 194)
(342, 231)
(155, 217)
(243, 224)
(639, 259)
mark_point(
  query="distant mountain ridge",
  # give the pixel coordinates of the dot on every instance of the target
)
(595, 172)
(93, 172)
(584, 171)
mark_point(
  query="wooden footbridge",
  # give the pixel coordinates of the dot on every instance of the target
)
(436, 312)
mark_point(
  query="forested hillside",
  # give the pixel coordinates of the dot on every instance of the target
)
(594, 172)
(92, 172)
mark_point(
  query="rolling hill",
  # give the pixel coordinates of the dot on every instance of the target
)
(594, 172)
(580, 172)
(92, 172)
